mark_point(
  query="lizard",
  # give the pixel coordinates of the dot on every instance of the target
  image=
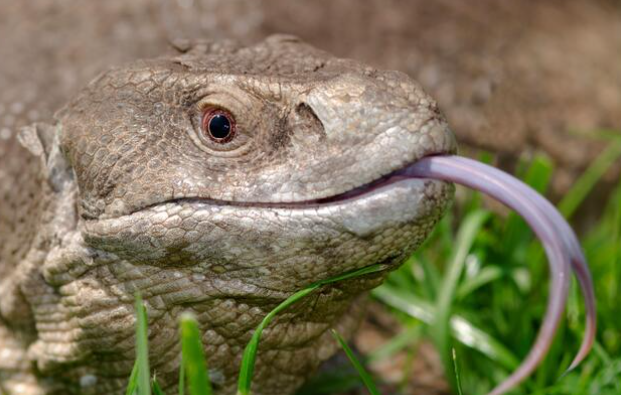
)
(219, 180)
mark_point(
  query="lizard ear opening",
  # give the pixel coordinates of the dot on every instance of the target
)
(42, 140)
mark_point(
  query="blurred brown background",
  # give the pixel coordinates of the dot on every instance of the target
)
(513, 77)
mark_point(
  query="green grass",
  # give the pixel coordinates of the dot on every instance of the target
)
(364, 375)
(193, 357)
(250, 352)
(143, 386)
(456, 370)
(476, 289)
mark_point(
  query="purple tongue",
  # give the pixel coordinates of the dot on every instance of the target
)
(559, 241)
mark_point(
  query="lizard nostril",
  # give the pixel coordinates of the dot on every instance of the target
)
(305, 111)
(305, 118)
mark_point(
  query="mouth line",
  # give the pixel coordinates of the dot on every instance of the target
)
(363, 190)
(355, 193)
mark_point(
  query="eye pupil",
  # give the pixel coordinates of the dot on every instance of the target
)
(219, 126)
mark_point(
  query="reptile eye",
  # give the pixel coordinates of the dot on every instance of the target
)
(219, 125)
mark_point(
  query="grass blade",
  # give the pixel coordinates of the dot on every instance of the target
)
(193, 356)
(487, 275)
(250, 352)
(441, 326)
(410, 336)
(587, 181)
(464, 331)
(364, 375)
(181, 390)
(142, 348)
(457, 379)
(157, 390)
(133, 380)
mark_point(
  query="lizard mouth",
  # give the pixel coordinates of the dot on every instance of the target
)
(382, 183)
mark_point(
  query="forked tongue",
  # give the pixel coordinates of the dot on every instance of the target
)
(559, 241)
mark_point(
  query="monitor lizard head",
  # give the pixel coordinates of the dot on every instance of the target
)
(221, 180)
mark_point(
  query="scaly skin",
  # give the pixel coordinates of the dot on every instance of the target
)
(122, 193)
